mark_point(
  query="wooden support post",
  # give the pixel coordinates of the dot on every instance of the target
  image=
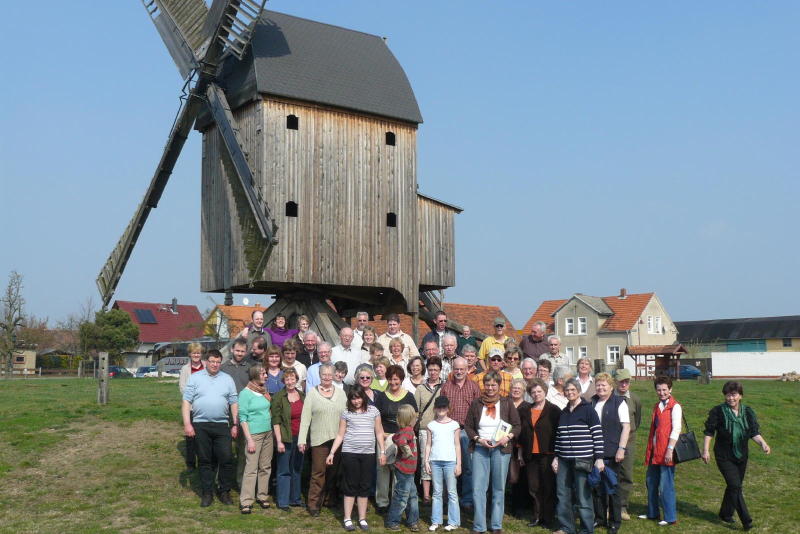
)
(102, 379)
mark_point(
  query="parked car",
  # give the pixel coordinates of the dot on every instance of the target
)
(117, 371)
(146, 371)
(687, 372)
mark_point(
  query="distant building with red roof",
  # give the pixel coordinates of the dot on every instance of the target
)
(602, 328)
(479, 318)
(160, 323)
(227, 321)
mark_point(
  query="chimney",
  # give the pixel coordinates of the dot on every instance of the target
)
(623, 293)
(228, 298)
(174, 305)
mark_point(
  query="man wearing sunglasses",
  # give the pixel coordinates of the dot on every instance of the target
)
(497, 341)
(496, 364)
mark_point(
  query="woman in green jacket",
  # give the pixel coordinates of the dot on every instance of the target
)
(287, 408)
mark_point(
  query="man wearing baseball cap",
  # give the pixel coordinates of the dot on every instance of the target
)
(496, 365)
(623, 378)
(497, 341)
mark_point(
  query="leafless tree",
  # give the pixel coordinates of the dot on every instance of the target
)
(12, 319)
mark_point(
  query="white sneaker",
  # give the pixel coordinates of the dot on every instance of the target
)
(643, 516)
(450, 528)
(433, 527)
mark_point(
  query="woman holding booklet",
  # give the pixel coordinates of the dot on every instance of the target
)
(491, 424)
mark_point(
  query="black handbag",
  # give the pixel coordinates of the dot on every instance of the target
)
(686, 448)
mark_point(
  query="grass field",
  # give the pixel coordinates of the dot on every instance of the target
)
(69, 465)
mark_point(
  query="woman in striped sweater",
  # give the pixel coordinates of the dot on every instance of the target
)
(579, 446)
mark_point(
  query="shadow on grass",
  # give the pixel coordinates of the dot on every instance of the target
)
(692, 510)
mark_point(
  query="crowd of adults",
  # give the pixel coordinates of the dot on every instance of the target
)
(454, 420)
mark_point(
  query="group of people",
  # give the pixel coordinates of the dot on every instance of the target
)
(458, 422)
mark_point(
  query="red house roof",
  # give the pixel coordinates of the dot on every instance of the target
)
(627, 311)
(157, 323)
(478, 318)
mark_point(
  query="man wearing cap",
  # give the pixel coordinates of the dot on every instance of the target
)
(623, 378)
(497, 341)
(496, 365)
(534, 344)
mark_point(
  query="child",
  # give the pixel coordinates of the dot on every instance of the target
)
(359, 427)
(339, 372)
(443, 461)
(380, 366)
(405, 465)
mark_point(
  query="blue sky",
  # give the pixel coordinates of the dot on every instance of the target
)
(593, 146)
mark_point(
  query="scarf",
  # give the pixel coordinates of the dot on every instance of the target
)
(261, 390)
(490, 403)
(737, 426)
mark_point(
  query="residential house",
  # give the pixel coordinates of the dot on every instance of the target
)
(751, 334)
(225, 322)
(159, 323)
(602, 328)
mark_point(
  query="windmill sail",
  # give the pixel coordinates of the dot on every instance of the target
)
(109, 276)
(180, 24)
(193, 34)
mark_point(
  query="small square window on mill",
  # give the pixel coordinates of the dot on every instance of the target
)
(291, 209)
(292, 122)
(391, 220)
(390, 138)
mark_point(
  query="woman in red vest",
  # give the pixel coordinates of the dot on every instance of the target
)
(665, 427)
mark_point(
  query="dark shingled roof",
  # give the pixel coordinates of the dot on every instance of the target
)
(732, 329)
(314, 62)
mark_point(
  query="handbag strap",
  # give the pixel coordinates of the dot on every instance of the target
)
(428, 404)
(685, 422)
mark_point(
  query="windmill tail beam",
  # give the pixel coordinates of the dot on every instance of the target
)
(112, 270)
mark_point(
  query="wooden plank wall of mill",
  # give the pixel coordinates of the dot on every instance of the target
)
(343, 177)
(437, 248)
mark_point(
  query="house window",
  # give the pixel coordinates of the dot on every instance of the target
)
(612, 354)
(19, 359)
(787, 342)
(569, 326)
(583, 352)
(390, 138)
(291, 209)
(581, 325)
(657, 326)
(292, 122)
(570, 353)
(391, 220)
(649, 324)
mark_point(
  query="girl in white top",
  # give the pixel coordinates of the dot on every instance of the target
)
(443, 461)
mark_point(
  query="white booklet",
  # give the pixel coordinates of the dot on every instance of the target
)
(503, 430)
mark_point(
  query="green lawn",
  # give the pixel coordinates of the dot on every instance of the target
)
(70, 465)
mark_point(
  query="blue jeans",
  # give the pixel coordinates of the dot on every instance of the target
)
(441, 473)
(290, 466)
(660, 480)
(403, 498)
(466, 470)
(571, 482)
(489, 465)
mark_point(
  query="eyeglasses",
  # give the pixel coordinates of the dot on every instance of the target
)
(513, 359)
(365, 378)
(499, 326)
(496, 358)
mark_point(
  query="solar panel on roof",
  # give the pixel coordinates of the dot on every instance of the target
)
(145, 316)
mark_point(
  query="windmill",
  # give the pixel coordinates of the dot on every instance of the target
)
(309, 186)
